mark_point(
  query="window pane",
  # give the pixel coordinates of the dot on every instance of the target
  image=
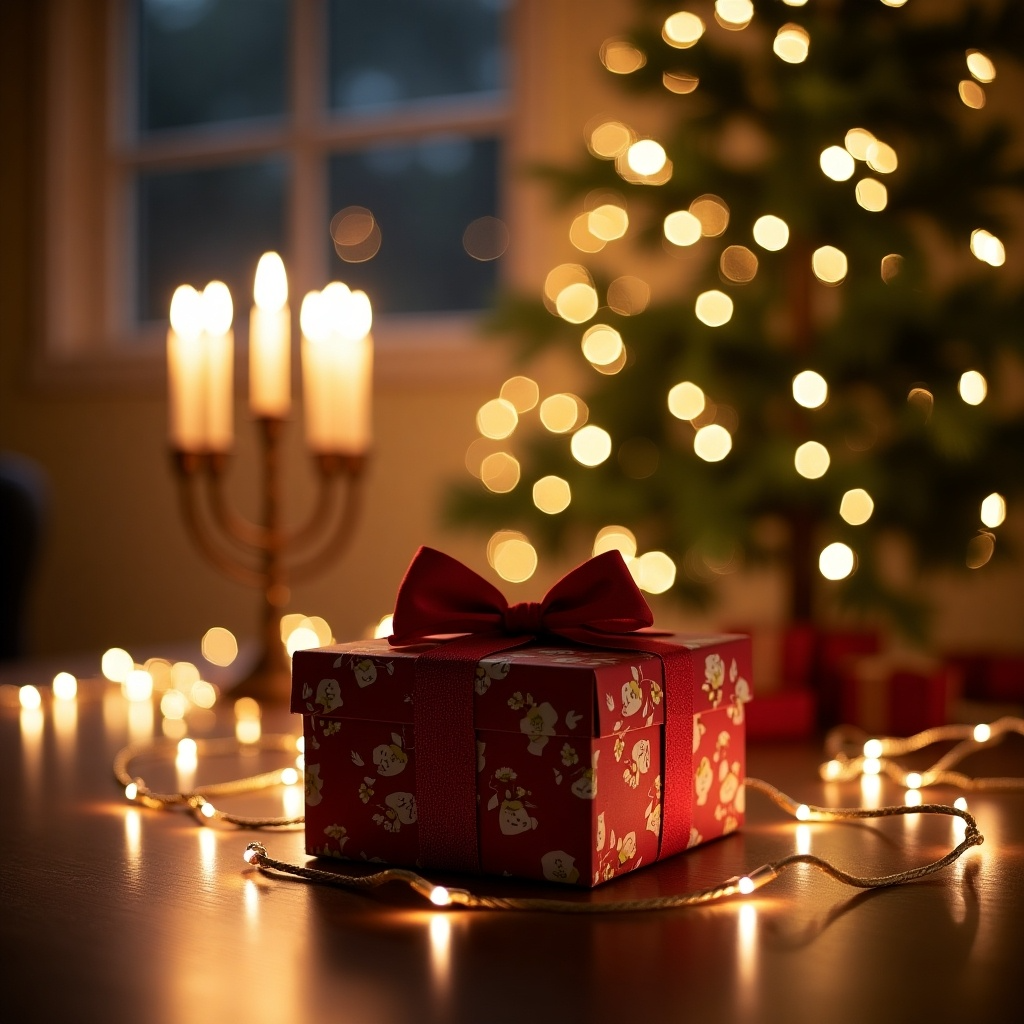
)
(207, 61)
(391, 52)
(197, 226)
(422, 197)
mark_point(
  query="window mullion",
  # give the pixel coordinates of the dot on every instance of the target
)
(308, 181)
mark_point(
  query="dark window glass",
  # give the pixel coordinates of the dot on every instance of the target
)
(422, 197)
(208, 61)
(388, 52)
(201, 225)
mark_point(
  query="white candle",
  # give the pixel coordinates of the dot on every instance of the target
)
(316, 370)
(219, 344)
(270, 340)
(186, 376)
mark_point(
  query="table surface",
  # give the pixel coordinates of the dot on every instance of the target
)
(112, 912)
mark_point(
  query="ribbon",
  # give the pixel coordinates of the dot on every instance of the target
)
(597, 604)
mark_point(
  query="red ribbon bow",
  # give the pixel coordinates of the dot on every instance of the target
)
(597, 603)
(439, 595)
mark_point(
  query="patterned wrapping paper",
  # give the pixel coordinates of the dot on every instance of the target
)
(570, 754)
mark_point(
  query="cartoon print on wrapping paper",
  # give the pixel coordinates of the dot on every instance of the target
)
(714, 678)
(514, 809)
(585, 786)
(741, 694)
(639, 765)
(313, 784)
(625, 848)
(569, 758)
(652, 814)
(328, 727)
(559, 866)
(699, 728)
(365, 670)
(702, 780)
(731, 796)
(398, 809)
(328, 694)
(632, 700)
(390, 758)
(487, 671)
(338, 833)
(538, 725)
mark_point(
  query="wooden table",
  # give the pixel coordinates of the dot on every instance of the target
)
(110, 912)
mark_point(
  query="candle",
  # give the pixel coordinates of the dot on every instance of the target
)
(270, 340)
(186, 371)
(219, 344)
(337, 365)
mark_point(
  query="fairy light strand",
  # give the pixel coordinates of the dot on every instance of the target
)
(199, 800)
(256, 856)
(853, 753)
(843, 765)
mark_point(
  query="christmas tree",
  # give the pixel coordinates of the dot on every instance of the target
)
(814, 366)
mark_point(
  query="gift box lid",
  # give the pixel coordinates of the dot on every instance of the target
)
(597, 691)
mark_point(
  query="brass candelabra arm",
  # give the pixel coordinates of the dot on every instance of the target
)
(234, 526)
(189, 467)
(345, 523)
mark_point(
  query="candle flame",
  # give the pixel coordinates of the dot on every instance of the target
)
(270, 289)
(186, 311)
(217, 308)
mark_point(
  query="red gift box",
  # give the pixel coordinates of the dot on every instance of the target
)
(572, 760)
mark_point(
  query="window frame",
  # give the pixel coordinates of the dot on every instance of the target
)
(93, 152)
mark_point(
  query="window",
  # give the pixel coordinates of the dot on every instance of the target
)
(213, 130)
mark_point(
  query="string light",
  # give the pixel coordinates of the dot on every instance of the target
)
(852, 754)
(199, 801)
(256, 855)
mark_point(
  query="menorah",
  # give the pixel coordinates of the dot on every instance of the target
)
(337, 364)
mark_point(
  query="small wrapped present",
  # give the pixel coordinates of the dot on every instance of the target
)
(561, 740)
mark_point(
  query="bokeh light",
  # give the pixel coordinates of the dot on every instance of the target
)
(892, 264)
(682, 228)
(522, 392)
(500, 472)
(981, 66)
(577, 302)
(792, 44)
(973, 387)
(485, 239)
(65, 686)
(682, 29)
(552, 494)
(993, 510)
(686, 401)
(857, 142)
(713, 214)
(811, 460)
(738, 264)
(137, 685)
(712, 442)
(219, 646)
(602, 344)
(971, 94)
(591, 445)
(987, 248)
(610, 139)
(829, 264)
(810, 389)
(836, 163)
(980, 550)
(512, 557)
(836, 561)
(628, 295)
(679, 82)
(713, 308)
(734, 14)
(771, 232)
(621, 57)
(608, 222)
(115, 664)
(497, 419)
(356, 234)
(560, 413)
(646, 157)
(615, 538)
(856, 506)
(881, 157)
(871, 195)
(653, 571)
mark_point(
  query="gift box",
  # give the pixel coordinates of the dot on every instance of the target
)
(586, 762)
